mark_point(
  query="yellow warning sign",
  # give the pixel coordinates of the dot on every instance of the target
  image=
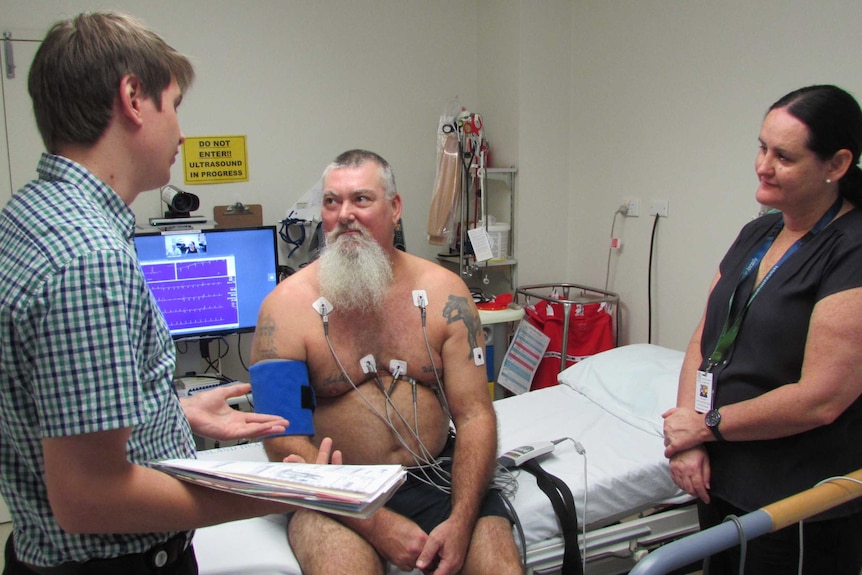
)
(215, 160)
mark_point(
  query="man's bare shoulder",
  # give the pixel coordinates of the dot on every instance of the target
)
(296, 289)
(434, 275)
(284, 314)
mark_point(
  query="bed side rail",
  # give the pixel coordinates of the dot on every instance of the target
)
(616, 548)
(831, 493)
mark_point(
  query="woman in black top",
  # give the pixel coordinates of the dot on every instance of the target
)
(769, 394)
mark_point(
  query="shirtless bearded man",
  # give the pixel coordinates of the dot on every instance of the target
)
(386, 311)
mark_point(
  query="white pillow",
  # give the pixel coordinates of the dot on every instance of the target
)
(636, 383)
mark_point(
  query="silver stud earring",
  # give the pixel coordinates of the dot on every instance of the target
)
(828, 180)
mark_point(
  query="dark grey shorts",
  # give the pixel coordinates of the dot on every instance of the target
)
(428, 506)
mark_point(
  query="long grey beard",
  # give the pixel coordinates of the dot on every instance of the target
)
(355, 273)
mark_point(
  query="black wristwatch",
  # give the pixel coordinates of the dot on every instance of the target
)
(712, 420)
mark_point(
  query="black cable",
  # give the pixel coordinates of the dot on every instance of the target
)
(284, 233)
(204, 347)
(464, 206)
(743, 541)
(212, 364)
(649, 280)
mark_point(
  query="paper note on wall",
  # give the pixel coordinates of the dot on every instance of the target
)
(481, 244)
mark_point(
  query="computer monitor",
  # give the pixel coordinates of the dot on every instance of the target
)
(209, 283)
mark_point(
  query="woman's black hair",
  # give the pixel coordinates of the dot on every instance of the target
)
(834, 122)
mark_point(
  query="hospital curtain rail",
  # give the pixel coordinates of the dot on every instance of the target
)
(765, 520)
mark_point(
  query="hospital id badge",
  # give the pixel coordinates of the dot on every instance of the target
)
(703, 393)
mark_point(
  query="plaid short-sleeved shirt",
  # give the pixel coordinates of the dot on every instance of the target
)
(83, 348)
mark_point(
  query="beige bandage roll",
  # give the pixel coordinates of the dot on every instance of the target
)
(447, 187)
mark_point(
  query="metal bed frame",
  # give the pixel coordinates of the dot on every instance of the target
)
(778, 515)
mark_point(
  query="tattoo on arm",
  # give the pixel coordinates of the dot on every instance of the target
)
(264, 339)
(330, 385)
(458, 309)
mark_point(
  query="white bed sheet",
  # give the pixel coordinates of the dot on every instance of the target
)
(610, 403)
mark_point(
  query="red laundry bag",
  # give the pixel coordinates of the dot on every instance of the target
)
(590, 332)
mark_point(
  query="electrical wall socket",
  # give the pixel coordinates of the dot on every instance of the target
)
(633, 207)
(658, 208)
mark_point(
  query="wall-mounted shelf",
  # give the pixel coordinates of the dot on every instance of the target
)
(498, 200)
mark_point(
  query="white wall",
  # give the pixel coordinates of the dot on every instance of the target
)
(525, 89)
(305, 80)
(593, 101)
(668, 100)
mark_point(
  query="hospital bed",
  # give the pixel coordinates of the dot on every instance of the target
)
(609, 407)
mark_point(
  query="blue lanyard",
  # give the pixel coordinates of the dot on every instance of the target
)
(731, 329)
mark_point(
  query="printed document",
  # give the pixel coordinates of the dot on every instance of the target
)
(353, 490)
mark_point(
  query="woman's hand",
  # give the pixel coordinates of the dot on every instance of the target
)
(684, 428)
(690, 470)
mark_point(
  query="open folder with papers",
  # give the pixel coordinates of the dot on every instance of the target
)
(354, 490)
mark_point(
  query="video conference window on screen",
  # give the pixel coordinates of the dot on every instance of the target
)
(209, 283)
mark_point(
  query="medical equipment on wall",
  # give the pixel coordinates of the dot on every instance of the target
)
(308, 207)
(301, 229)
(461, 157)
(447, 186)
(447, 183)
(300, 234)
(472, 215)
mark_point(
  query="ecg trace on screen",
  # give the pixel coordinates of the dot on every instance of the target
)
(194, 295)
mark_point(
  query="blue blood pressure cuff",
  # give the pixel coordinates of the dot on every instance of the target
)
(281, 387)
